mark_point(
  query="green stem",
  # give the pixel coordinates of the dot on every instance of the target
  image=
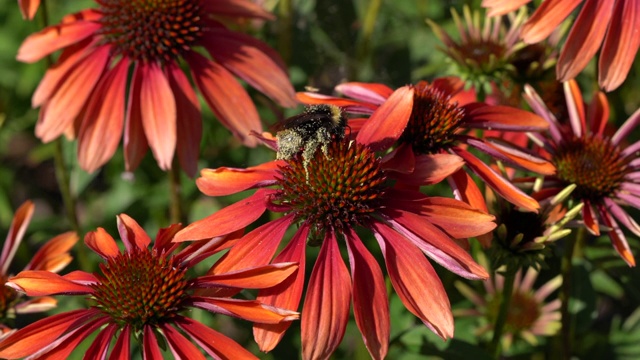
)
(565, 292)
(507, 292)
(368, 25)
(285, 26)
(176, 191)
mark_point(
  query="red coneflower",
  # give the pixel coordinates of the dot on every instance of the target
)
(604, 171)
(84, 93)
(437, 119)
(614, 21)
(53, 256)
(330, 196)
(144, 293)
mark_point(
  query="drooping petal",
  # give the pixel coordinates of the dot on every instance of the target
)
(575, 107)
(505, 118)
(326, 305)
(65, 345)
(250, 310)
(415, 281)
(237, 8)
(43, 283)
(150, 348)
(158, 108)
(389, 121)
(39, 334)
(620, 45)
(285, 295)
(72, 29)
(259, 277)
(546, 18)
(501, 7)
(498, 183)
(623, 131)
(180, 346)
(255, 248)
(435, 244)
(103, 119)
(189, 122)
(622, 216)
(617, 237)
(227, 220)
(214, 343)
(102, 243)
(225, 181)
(370, 304)
(61, 109)
(430, 169)
(135, 142)
(226, 97)
(54, 255)
(122, 348)
(100, 345)
(584, 39)
(598, 114)
(244, 56)
(465, 189)
(590, 219)
(132, 234)
(16, 232)
(510, 154)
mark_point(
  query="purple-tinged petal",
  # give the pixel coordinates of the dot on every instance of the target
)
(215, 344)
(539, 107)
(180, 346)
(590, 219)
(617, 237)
(626, 128)
(575, 107)
(371, 93)
(18, 226)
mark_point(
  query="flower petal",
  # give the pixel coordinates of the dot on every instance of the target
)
(100, 345)
(28, 8)
(189, 120)
(102, 243)
(590, 219)
(150, 348)
(122, 348)
(132, 234)
(430, 169)
(246, 57)
(258, 277)
(39, 334)
(326, 305)
(598, 114)
(54, 255)
(617, 237)
(65, 345)
(180, 346)
(349, 105)
(584, 39)
(388, 122)
(501, 7)
(546, 19)
(415, 281)
(158, 108)
(237, 8)
(16, 232)
(370, 304)
(512, 155)
(226, 181)
(43, 283)
(371, 93)
(135, 142)
(214, 343)
(227, 220)
(466, 190)
(620, 45)
(226, 97)
(505, 118)
(103, 119)
(72, 29)
(250, 310)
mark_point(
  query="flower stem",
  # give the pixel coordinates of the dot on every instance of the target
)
(176, 198)
(507, 292)
(565, 291)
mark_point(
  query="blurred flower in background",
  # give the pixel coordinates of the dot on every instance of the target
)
(440, 119)
(28, 8)
(340, 191)
(143, 293)
(528, 316)
(604, 169)
(610, 26)
(52, 256)
(84, 94)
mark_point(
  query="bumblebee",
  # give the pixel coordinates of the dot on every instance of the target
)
(315, 128)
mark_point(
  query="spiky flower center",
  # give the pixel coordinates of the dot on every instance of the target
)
(8, 298)
(336, 190)
(524, 311)
(151, 30)
(140, 287)
(594, 164)
(434, 121)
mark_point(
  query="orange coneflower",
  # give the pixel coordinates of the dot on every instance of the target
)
(53, 256)
(329, 197)
(85, 94)
(143, 293)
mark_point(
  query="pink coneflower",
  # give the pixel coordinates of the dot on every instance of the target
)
(616, 22)
(143, 293)
(528, 317)
(84, 93)
(439, 118)
(604, 170)
(334, 194)
(53, 256)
